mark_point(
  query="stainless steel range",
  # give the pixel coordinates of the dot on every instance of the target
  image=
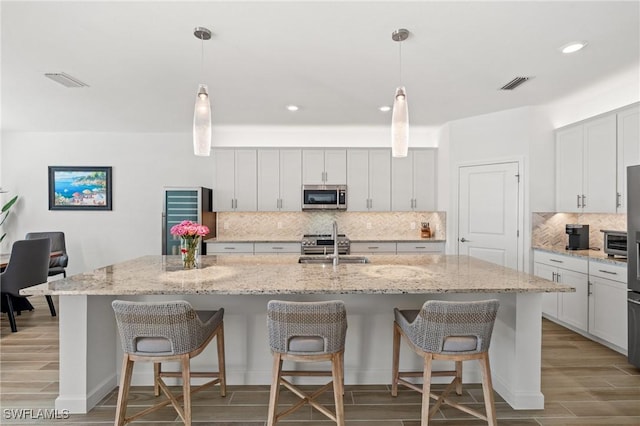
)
(324, 244)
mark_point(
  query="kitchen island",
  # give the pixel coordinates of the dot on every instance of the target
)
(90, 351)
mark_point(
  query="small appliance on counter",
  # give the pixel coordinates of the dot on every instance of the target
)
(578, 236)
(425, 230)
(615, 243)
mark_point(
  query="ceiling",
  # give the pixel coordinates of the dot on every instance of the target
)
(336, 60)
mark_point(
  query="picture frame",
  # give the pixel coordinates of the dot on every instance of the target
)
(79, 188)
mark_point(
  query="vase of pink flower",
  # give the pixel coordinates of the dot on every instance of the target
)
(190, 234)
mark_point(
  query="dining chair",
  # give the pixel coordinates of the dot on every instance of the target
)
(28, 266)
(57, 264)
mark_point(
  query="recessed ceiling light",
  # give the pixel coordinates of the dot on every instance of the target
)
(385, 108)
(574, 46)
(292, 107)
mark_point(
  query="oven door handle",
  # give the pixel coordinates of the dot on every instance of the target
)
(635, 302)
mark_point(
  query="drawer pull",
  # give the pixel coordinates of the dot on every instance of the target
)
(229, 248)
(420, 247)
(608, 272)
(557, 261)
(374, 247)
(277, 248)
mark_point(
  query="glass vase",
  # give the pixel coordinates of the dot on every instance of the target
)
(190, 248)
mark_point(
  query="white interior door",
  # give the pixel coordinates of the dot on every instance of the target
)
(489, 213)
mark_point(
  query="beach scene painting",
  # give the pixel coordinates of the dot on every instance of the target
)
(79, 188)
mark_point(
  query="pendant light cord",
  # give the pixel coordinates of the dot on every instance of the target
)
(400, 60)
(202, 57)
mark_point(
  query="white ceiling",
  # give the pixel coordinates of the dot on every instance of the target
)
(336, 60)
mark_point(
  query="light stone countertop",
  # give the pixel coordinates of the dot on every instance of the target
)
(597, 255)
(353, 240)
(281, 274)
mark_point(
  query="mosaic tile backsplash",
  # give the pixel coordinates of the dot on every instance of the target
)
(548, 229)
(356, 225)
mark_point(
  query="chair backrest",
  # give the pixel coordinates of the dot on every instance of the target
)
(57, 244)
(327, 320)
(439, 320)
(28, 265)
(175, 321)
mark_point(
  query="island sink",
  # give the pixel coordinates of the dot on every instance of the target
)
(329, 260)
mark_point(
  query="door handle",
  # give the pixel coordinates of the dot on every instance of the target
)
(553, 277)
(464, 240)
(578, 205)
(584, 197)
(589, 284)
(618, 201)
(633, 301)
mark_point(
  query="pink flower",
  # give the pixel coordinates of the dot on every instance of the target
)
(186, 229)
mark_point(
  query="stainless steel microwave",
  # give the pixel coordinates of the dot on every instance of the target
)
(615, 243)
(324, 197)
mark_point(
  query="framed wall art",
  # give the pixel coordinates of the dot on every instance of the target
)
(79, 188)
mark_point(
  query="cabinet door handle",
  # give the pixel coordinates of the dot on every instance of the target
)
(589, 284)
(584, 197)
(608, 272)
(553, 277)
(618, 199)
(578, 205)
(557, 261)
(558, 277)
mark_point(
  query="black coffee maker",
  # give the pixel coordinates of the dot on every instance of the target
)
(578, 236)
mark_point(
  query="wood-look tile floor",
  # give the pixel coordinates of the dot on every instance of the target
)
(584, 384)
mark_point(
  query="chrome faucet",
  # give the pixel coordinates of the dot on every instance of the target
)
(334, 236)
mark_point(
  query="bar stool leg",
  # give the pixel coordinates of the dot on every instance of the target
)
(396, 360)
(222, 374)
(123, 392)
(275, 389)
(426, 389)
(338, 389)
(459, 377)
(52, 307)
(186, 389)
(157, 369)
(487, 389)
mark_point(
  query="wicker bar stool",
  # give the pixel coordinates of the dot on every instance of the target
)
(307, 332)
(167, 331)
(451, 331)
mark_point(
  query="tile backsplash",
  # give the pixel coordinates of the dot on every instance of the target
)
(356, 225)
(548, 229)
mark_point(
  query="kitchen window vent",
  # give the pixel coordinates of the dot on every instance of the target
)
(65, 79)
(514, 83)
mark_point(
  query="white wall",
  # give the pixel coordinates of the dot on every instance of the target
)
(142, 165)
(504, 135)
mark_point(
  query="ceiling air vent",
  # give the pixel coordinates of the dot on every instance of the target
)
(65, 79)
(514, 83)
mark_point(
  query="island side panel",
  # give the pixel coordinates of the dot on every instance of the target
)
(87, 347)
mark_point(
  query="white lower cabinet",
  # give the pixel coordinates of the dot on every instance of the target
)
(276, 248)
(570, 308)
(374, 247)
(229, 248)
(397, 247)
(598, 308)
(608, 303)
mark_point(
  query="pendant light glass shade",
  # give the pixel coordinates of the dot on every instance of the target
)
(400, 124)
(202, 123)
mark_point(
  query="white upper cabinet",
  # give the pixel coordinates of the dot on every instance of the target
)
(586, 166)
(324, 166)
(369, 180)
(628, 149)
(279, 179)
(235, 174)
(413, 181)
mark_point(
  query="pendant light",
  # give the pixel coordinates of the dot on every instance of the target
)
(202, 112)
(400, 115)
